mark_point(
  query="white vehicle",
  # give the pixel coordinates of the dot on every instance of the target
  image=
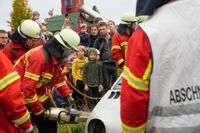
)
(105, 117)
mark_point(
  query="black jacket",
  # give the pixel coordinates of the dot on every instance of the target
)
(104, 47)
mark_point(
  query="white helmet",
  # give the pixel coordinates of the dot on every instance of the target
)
(68, 38)
(128, 18)
(29, 29)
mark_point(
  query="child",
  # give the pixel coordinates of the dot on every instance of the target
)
(84, 36)
(77, 73)
(93, 77)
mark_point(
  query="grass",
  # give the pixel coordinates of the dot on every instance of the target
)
(75, 128)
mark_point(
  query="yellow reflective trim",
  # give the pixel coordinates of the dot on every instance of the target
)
(124, 44)
(128, 129)
(64, 70)
(116, 47)
(22, 119)
(120, 61)
(16, 62)
(26, 58)
(40, 112)
(148, 70)
(47, 75)
(31, 76)
(8, 79)
(43, 98)
(31, 100)
(59, 84)
(135, 82)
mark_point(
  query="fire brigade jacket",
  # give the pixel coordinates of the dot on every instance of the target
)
(13, 112)
(119, 47)
(40, 73)
(172, 102)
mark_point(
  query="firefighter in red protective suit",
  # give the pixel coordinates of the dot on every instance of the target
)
(42, 69)
(14, 117)
(24, 38)
(121, 37)
(160, 86)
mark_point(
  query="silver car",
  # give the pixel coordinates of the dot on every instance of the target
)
(105, 117)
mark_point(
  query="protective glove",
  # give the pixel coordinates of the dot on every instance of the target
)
(69, 100)
(40, 117)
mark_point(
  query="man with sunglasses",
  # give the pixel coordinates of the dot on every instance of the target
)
(43, 69)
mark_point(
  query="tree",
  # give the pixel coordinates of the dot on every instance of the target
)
(20, 12)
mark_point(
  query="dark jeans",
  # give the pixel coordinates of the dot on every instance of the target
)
(45, 126)
(93, 92)
(109, 75)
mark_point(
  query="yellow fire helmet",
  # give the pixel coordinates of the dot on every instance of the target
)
(29, 29)
(128, 18)
(68, 38)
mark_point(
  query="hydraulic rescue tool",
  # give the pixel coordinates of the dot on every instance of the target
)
(63, 115)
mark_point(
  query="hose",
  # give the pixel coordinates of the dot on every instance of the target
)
(51, 99)
(89, 97)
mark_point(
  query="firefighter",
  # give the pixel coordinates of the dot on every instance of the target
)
(44, 68)
(23, 39)
(160, 87)
(14, 117)
(121, 37)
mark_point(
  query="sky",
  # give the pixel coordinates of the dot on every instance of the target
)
(110, 9)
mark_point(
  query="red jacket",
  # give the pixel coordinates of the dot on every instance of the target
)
(134, 98)
(13, 112)
(39, 76)
(15, 50)
(119, 47)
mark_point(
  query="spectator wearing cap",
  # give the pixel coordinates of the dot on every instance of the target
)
(85, 38)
